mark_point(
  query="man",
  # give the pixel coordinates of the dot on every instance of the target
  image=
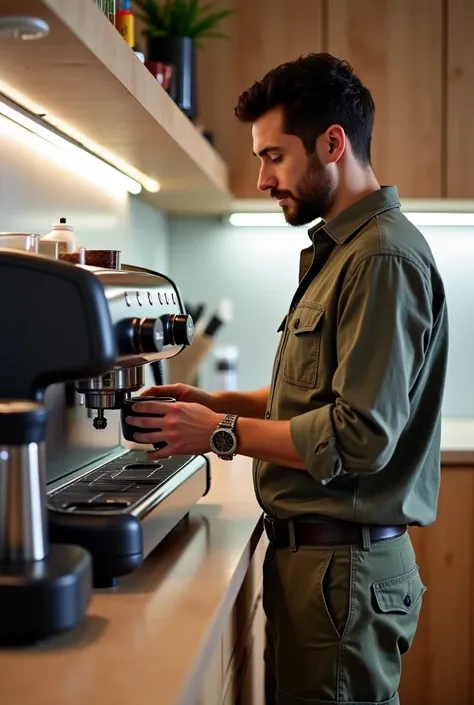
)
(347, 437)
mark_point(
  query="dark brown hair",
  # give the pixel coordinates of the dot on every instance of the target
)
(315, 91)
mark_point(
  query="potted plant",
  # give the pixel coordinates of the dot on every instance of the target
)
(174, 28)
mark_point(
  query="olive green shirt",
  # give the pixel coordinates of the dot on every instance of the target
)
(360, 373)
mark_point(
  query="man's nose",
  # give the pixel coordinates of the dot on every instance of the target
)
(266, 180)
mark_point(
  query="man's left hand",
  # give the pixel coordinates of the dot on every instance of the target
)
(185, 427)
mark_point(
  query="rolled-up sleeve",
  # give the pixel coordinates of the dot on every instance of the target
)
(384, 327)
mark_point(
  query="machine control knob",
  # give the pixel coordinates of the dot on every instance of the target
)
(178, 329)
(140, 335)
(149, 335)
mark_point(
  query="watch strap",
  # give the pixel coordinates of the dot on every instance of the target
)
(228, 421)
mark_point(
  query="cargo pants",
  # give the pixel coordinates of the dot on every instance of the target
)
(339, 619)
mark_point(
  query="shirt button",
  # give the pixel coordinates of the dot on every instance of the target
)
(407, 601)
(267, 415)
(296, 324)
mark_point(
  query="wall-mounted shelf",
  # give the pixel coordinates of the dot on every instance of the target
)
(86, 80)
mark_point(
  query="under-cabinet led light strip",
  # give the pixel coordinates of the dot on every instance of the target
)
(63, 149)
(271, 220)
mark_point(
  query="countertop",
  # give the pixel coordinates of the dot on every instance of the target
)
(148, 640)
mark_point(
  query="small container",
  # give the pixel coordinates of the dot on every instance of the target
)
(105, 259)
(111, 10)
(63, 233)
(77, 257)
(19, 241)
(125, 22)
(108, 8)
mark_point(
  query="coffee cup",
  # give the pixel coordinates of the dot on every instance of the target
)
(128, 430)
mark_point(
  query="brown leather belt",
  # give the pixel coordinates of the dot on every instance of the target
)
(307, 533)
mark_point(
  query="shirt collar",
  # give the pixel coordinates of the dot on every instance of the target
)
(345, 224)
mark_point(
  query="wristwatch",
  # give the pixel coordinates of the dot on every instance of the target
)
(224, 441)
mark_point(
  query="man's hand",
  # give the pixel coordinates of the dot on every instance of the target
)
(181, 392)
(186, 427)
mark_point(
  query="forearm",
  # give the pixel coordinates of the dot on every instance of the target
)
(268, 440)
(245, 404)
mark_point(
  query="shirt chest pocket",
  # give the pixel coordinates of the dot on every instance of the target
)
(303, 346)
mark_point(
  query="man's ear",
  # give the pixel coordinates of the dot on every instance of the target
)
(332, 144)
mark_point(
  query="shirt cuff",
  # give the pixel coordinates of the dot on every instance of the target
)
(313, 436)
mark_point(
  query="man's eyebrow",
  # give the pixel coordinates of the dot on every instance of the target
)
(266, 150)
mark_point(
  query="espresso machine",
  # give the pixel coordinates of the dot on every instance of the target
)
(76, 507)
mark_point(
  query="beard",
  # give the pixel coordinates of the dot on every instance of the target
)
(314, 195)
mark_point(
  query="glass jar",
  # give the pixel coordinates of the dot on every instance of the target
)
(108, 7)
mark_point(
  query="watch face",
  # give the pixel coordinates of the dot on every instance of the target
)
(224, 441)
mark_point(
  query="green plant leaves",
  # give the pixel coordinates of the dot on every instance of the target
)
(180, 18)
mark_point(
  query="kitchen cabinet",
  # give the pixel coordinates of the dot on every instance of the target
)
(459, 99)
(439, 668)
(262, 35)
(396, 49)
(235, 671)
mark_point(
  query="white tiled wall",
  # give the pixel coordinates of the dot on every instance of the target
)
(257, 269)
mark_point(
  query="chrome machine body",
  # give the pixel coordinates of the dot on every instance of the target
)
(149, 323)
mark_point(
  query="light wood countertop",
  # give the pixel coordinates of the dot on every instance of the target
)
(147, 641)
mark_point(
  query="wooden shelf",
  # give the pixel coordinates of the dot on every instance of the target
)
(86, 80)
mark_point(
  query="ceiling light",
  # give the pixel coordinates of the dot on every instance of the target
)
(22, 27)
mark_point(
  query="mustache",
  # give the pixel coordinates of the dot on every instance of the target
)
(275, 193)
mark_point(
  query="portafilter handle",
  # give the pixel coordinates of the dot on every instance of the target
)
(43, 589)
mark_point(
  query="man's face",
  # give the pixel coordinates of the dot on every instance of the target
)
(301, 183)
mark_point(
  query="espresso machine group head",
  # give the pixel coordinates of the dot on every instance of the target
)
(62, 323)
(149, 324)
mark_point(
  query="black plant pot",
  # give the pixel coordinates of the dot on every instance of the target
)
(180, 53)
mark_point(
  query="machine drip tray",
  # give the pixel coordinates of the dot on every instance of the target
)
(120, 511)
(127, 476)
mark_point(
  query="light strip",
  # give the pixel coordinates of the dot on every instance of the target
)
(257, 220)
(13, 132)
(441, 219)
(272, 220)
(16, 99)
(79, 159)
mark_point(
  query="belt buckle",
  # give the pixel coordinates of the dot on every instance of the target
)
(269, 526)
